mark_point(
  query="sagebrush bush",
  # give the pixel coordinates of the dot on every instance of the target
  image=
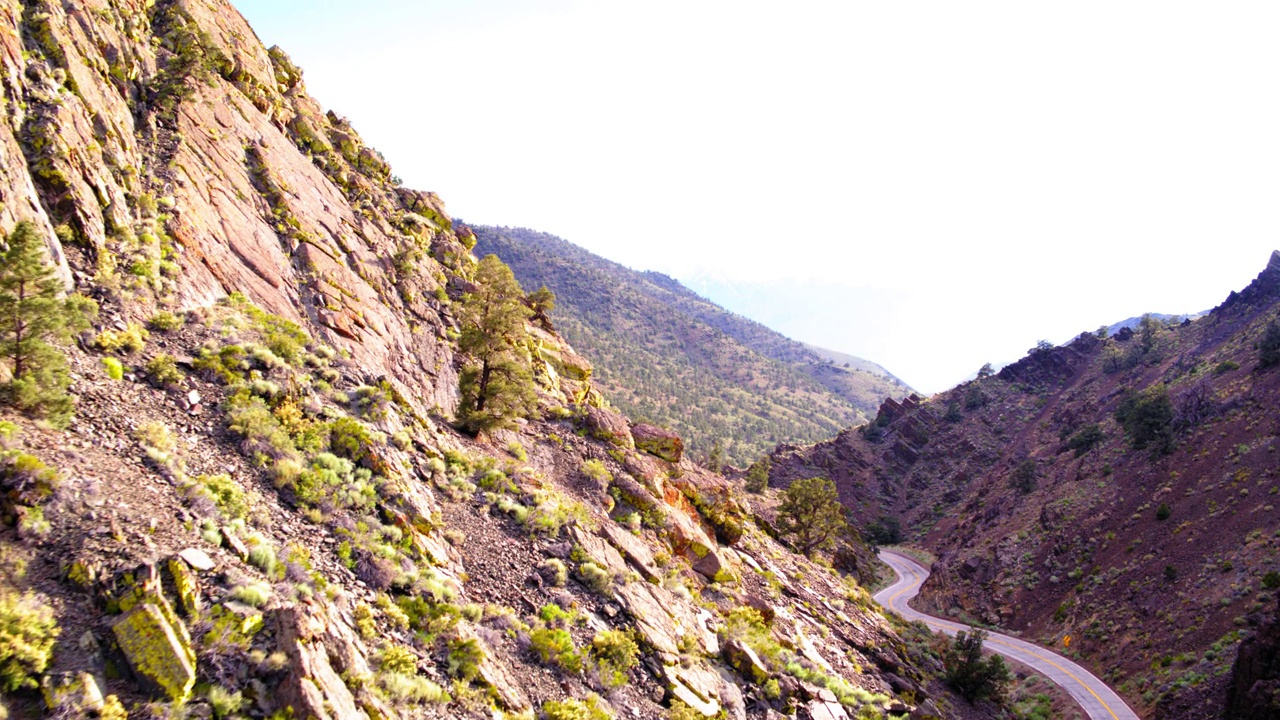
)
(596, 578)
(115, 370)
(28, 631)
(554, 571)
(398, 659)
(162, 370)
(616, 653)
(593, 708)
(130, 340)
(165, 321)
(255, 594)
(555, 646)
(465, 657)
(224, 702)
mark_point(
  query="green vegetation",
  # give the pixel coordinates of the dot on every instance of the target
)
(758, 475)
(496, 383)
(811, 511)
(971, 676)
(554, 646)
(165, 321)
(1086, 439)
(28, 631)
(1163, 512)
(615, 653)
(593, 708)
(1269, 346)
(114, 369)
(33, 317)
(162, 371)
(1023, 477)
(1147, 419)
(666, 356)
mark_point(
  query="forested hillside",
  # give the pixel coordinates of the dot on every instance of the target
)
(665, 354)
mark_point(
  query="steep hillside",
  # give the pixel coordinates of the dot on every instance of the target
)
(665, 354)
(1119, 492)
(262, 506)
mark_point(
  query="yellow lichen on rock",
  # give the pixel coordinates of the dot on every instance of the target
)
(159, 653)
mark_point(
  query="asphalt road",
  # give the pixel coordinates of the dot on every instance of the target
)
(1098, 701)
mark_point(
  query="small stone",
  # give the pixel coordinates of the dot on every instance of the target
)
(193, 398)
(198, 559)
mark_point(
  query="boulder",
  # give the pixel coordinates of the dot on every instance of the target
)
(494, 673)
(713, 566)
(158, 649)
(825, 710)
(609, 426)
(696, 686)
(742, 658)
(658, 442)
(637, 552)
(312, 687)
(197, 559)
(185, 587)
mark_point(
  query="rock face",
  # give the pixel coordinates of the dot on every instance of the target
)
(1254, 692)
(658, 442)
(609, 426)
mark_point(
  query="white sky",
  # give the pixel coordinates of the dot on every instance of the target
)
(953, 181)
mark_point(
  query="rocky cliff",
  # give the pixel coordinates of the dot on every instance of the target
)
(1114, 496)
(262, 507)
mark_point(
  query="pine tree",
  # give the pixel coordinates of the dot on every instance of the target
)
(32, 316)
(811, 511)
(496, 383)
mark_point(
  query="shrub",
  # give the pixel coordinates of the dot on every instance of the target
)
(224, 702)
(334, 479)
(465, 657)
(596, 578)
(28, 630)
(555, 646)
(1269, 346)
(593, 708)
(1147, 418)
(263, 555)
(555, 616)
(130, 340)
(398, 659)
(1170, 573)
(162, 371)
(616, 653)
(517, 451)
(1023, 477)
(410, 688)
(115, 370)
(262, 436)
(966, 671)
(1271, 580)
(553, 570)
(1086, 439)
(254, 595)
(595, 470)
(1163, 512)
(1225, 366)
(227, 364)
(25, 478)
(758, 475)
(554, 510)
(232, 501)
(349, 438)
(165, 321)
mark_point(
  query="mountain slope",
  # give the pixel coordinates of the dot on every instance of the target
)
(665, 354)
(263, 509)
(1049, 519)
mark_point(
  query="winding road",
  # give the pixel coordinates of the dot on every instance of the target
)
(1098, 701)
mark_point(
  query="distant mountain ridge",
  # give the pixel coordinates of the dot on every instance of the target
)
(666, 354)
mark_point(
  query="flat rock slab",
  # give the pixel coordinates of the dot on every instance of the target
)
(198, 559)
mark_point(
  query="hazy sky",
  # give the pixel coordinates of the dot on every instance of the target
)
(930, 185)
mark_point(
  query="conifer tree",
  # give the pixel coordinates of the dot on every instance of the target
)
(33, 315)
(811, 511)
(496, 382)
